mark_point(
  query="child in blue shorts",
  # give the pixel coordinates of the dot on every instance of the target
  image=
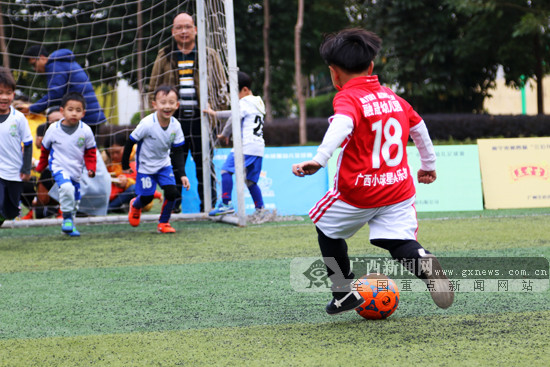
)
(156, 135)
(252, 111)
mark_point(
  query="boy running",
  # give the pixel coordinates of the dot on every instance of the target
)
(67, 146)
(156, 135)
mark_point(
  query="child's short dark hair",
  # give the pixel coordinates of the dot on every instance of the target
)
(351, 49)
(51, 110)
(36, 51)
(6, 78)
(73, 96)
(244, 80)
(164, 89)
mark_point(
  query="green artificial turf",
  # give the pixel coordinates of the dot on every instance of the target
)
(214, 294)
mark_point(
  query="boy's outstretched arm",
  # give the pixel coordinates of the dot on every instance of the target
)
(419, 134)
(426, 177)
(340, 127)
(306, 168)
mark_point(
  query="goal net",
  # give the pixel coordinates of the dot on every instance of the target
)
(116, 43)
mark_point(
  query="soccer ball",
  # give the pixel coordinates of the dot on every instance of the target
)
(380, 294)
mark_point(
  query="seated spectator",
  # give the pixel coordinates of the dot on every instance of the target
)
(122, 184)
(43, 206)
(22, 103)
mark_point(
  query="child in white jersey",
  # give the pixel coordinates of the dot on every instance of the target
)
(372, 184)
(252, 112)
(156, 135)
(14, 166)
(67, 147)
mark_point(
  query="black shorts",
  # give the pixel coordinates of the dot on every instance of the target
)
(10, 195)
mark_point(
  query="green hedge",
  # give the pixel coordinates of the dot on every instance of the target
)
(456, 127)
(446, 127)
(320, 106)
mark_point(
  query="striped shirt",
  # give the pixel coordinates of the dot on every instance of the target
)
(187, 90)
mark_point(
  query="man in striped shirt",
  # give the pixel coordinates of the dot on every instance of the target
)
(177, 65)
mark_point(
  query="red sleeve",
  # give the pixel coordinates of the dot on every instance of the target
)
(344, 104)
(90, 159)
(414, 117)
(43, 163)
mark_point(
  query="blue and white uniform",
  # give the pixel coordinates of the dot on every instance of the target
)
(13, 131)
(153, 152)
(67, 150)
(252, 112)
(66, 160)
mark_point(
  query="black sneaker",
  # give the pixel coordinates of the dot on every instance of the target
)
(348, 302)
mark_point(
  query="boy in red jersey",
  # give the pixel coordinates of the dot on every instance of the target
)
(373, 184)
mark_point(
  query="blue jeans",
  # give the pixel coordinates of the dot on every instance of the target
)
(123, 198)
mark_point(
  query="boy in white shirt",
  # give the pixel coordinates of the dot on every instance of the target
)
(252, 111)
(156, 135)
(68, 145)
(14, 165)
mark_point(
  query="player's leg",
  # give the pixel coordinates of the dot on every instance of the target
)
(77, 197)
(145, 190)
(394, 229)
(66, 200)
(171, 194)
(10, 195)
(3, 192)
(253, 166)
(193, 126)
(335, 221)
(179, 185)
(28, 195)
(226, 206)
(197, 157)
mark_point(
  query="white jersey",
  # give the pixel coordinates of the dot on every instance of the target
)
(14, 131)
(252, 111)
(154, 143)
(67, 150)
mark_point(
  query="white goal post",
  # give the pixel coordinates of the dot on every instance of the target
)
(202, 16)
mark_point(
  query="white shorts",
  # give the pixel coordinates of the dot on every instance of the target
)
(338, 219)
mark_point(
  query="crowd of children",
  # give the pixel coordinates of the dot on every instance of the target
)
(66, 145)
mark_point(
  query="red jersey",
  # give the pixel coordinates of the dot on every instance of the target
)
(372, 168)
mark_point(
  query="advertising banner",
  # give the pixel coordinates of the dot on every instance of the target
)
(457, 188)
(458, 184)
(281, 190)
(515, 172)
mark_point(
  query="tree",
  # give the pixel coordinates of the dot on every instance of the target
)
(448, 62)
(422, 58)
(267, 64)
(322, 16)
(111, 51)
(298, 73)
(524, 52)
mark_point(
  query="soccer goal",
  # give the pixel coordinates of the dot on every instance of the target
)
(116, 43)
